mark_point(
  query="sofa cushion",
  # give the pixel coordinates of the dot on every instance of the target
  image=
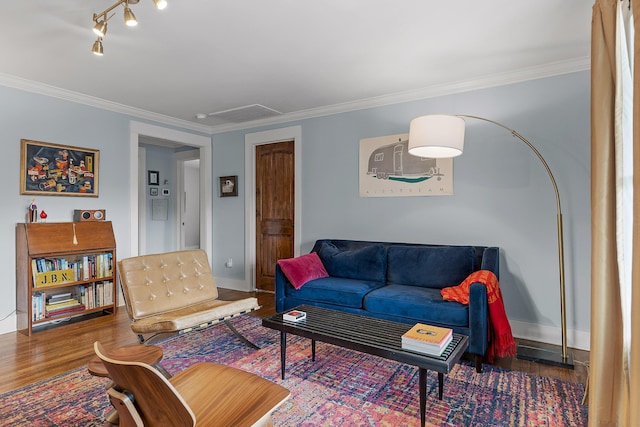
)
(365, 263)
(302, 269)
(415, 302)
(335, 290)
(432, 267)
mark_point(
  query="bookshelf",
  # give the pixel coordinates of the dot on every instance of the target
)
(63, 270)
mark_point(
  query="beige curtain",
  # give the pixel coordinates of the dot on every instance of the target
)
(614, 388)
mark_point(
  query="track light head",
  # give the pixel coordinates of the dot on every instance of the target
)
(97, 47)
(129, 17)
(160, 4)
(100, 29)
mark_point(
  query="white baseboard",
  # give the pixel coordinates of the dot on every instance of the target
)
(8, 324)
(234, 284)
(551, 335)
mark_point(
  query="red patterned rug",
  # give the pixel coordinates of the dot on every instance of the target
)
(341, 388)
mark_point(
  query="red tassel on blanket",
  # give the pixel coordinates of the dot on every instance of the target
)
(501, 342)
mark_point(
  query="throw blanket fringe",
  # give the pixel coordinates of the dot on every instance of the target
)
(501, 342)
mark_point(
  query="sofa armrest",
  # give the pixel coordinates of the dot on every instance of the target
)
(478, 319)
(478, 305)
(281, 282)
(491, 260)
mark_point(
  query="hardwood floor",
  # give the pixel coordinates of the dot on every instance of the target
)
(25, 360)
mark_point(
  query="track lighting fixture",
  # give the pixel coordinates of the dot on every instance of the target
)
(160, 4)
(100, 29)
(100, 19)
(97, 47)
(129, 18)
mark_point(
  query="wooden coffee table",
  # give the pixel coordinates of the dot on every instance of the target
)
(368, 335)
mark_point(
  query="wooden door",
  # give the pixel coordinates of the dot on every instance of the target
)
(274, 209)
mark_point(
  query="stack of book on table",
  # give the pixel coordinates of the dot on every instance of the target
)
(427, 339)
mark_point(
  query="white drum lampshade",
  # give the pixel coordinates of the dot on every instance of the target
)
(436, 136)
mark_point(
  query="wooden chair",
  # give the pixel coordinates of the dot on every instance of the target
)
(205, 393)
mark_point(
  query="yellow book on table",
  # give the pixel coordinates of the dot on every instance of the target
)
(428, 335)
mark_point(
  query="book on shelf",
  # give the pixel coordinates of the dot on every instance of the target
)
(54, 302)
(85, 268)
(63, 311)
(427, 339)
(61, 295)
(58, 298)
(108, 293)
(295, 316)
(62, 305)
(38, 305)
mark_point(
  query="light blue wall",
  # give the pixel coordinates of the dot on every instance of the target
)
(502, 194)
(26, 115)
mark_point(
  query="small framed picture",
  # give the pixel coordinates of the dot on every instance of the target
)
(165, 192)
(153, 178)
(153, 191)
(229, 186)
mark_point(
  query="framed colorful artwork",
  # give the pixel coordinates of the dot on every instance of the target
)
(48, 169)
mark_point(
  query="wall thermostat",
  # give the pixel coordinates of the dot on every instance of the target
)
(89, 215)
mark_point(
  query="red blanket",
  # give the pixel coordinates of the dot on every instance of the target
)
(501, 341)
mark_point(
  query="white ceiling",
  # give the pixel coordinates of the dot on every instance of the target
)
(298, 57)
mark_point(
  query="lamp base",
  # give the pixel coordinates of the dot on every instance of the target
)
(545, 356)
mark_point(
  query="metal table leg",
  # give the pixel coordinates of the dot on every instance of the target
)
(283, 352)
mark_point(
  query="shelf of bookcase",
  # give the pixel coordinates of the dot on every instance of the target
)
(68, 243)
(75, 314)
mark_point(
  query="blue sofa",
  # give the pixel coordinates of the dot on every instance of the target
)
(399, 282)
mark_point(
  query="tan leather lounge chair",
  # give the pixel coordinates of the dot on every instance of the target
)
(175, 292)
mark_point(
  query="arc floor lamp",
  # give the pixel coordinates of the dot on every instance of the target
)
(439, 136)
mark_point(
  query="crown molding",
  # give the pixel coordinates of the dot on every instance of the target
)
(483, 82)
(56, 92)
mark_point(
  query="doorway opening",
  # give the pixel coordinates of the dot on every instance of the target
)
(177, 139)
(188, 198)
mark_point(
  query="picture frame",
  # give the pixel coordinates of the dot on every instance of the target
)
(153, 177)
(386, 169)
(229, 186)
(153, 191)
(48, 169)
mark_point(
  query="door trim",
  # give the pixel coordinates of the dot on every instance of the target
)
(250, 141)
(180, 158)
(204, 144)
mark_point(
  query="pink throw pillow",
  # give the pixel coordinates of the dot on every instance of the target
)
(302, 269)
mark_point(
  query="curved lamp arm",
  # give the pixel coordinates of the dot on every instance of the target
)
(563, 315)
(533, 148)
